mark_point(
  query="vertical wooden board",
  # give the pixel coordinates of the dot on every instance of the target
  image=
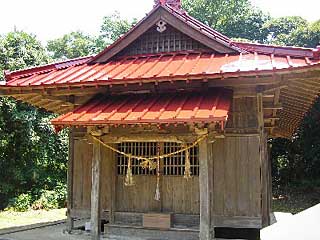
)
(186, 200)
(254, 177)
(167, 198)
(87, 173)
(211, 176)
(164, 196)
(70, 222)
(265, 183)
(179, 195)
(77, 182)
(230, 177)
(75, 175)
(243, 177)
(194, 192)
(119, 191)
(107, 168)
(138, 198)
(219, 178)
(105, 178)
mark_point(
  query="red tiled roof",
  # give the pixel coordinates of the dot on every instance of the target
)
(153, 67)
(211, 106)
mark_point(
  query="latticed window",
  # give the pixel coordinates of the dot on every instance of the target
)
(170, 40)
(173, 165)
(143, 149)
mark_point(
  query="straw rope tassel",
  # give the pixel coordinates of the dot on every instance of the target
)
(129, 178)
(187, 170)
(157, 194)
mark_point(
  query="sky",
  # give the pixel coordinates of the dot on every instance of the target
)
(49, 19)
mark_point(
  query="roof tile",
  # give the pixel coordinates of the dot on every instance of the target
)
(211, 106)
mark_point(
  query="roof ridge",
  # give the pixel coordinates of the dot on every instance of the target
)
(279, 50)
(47, 67)
(273, 45)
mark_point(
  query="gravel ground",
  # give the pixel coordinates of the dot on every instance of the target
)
(286, 226)
(54, 232)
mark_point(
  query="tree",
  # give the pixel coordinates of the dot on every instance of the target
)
(72, 45)
(19, 50)
(293, 31)
(31, 154)
(304, 36)
(234, 18)
(114, 26)
(283, 25)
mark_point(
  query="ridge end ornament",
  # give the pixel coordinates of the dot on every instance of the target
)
(161, 26)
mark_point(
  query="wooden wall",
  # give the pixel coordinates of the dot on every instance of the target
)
(236, 178)
(243, 115)
(177, 194)
(82, 175)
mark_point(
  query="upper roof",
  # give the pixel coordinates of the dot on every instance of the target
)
(225, 56)
(157, 67)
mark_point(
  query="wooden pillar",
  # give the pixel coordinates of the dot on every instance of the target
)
(264, 165)
(113, 173)
(70, 224)
(95, 192)
(206, 185)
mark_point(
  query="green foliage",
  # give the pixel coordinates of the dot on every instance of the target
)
(307, 36)
(72, 45)
(39, 199)
(114, 26)
(51, 199)
(21, 203)
(235, 19)
(296, 162)
(78, 44)
(293, 31)
(33, 156)
(20, 50)
(284, 25)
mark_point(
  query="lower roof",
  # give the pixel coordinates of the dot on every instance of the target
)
(168, 108)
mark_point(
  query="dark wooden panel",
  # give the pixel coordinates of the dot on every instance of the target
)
(107, 170)
(170, 40)
(243, 114)
(237, 185)
(180, 195)
(238, 222)
(137, 198)
(82, 174)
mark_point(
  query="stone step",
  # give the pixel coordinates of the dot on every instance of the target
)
(117, 232)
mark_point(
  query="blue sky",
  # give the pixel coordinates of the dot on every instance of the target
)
(50, 19)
